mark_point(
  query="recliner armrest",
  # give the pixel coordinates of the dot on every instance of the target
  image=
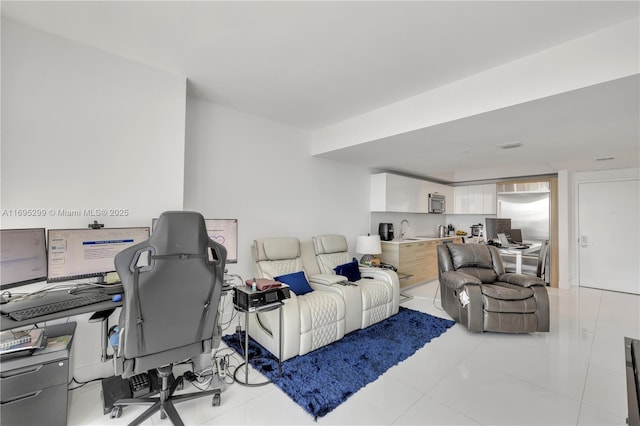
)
(456, 279)
(327, 279)
(521, 279)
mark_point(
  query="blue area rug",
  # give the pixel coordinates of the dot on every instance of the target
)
(323, 379)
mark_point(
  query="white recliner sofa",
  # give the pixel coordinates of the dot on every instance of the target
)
(309, 321)
(370, 299)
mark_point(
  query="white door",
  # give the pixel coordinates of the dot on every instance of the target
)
(609, 235)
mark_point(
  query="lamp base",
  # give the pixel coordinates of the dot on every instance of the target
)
(369, 260)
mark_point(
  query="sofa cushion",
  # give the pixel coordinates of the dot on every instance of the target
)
(487, 276)
(297, 282)
(349, 270)
(325, 244)
(470, 256)
(504, 291)
(280, 248)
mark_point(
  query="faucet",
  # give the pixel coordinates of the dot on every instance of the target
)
(402, 233)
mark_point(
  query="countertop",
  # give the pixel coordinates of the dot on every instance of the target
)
(419, 238)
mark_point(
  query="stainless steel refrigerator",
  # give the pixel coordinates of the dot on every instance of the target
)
(527, 205)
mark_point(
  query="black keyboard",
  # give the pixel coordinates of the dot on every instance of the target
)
(73, 301)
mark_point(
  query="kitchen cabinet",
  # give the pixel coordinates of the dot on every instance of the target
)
(395, 193)
(490, 198)
(475, 199)
(417, 261)
(441, 189)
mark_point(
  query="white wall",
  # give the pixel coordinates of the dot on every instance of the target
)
(85, 129)
(261, 172)
(82, 129)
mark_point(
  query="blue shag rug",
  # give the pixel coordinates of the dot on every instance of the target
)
(323, 379)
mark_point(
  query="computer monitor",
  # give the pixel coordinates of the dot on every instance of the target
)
(516, 235)
(23, 257)
(88, 253)
(223, 231)
(495, 226)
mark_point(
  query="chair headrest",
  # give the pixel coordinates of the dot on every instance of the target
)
(179, 232)
(470, 256)
(280, 248)
(331, 243)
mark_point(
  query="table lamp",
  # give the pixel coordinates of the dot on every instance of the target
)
(368, 245)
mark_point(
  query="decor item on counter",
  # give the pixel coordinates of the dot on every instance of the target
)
(368, 245)
(323, 379)
(476, 230)
(385, 231)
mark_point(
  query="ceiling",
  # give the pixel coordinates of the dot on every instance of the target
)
(313, 64)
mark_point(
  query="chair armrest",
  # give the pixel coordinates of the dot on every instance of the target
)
(456, 279)
(386, 275)
(327, 279)
(521, 279)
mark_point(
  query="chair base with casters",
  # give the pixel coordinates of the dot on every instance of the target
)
(164, 403)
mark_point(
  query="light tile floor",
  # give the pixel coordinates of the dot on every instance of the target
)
(573, 375)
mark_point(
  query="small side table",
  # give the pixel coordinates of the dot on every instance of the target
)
(255, 310)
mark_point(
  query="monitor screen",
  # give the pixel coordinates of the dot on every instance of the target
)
(222, 231)
(86, 253)
(23, 256)
(496, 226)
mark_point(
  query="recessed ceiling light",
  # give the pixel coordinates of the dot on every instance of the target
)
(605, 158)
(510, 145)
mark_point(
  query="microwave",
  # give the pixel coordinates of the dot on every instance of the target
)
(436, 203)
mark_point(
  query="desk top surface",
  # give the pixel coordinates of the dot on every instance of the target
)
(7, 323)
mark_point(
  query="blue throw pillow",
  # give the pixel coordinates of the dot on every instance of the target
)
(297, 282)
(349, 270)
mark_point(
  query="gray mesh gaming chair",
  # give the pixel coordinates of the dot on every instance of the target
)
(172, 286)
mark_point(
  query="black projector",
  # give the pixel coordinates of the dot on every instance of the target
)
(248, 300)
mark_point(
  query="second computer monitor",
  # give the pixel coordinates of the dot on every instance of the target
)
(87, 253)
(24, 256)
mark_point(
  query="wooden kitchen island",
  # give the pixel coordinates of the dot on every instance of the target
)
(416, 258)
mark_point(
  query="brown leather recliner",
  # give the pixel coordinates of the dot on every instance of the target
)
(477, 292)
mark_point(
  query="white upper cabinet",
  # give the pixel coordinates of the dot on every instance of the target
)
(474, 199)
(490, 198)
(394, 193)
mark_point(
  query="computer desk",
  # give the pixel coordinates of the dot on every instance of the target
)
(7, 323)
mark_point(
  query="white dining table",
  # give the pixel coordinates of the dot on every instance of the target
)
(518, 252)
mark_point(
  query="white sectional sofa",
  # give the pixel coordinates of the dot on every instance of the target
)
(331, 307)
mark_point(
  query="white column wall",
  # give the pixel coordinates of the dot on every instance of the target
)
(261, 172)
(83, 129)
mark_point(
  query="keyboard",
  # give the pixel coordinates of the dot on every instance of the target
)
(52, 302)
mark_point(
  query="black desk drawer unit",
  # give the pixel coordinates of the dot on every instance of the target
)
(33, 389)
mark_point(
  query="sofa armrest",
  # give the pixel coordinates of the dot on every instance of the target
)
(521, 279)
(327, 279)
(456, 279)
(385, 275)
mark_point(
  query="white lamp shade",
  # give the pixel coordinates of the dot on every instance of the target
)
(368, 244)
